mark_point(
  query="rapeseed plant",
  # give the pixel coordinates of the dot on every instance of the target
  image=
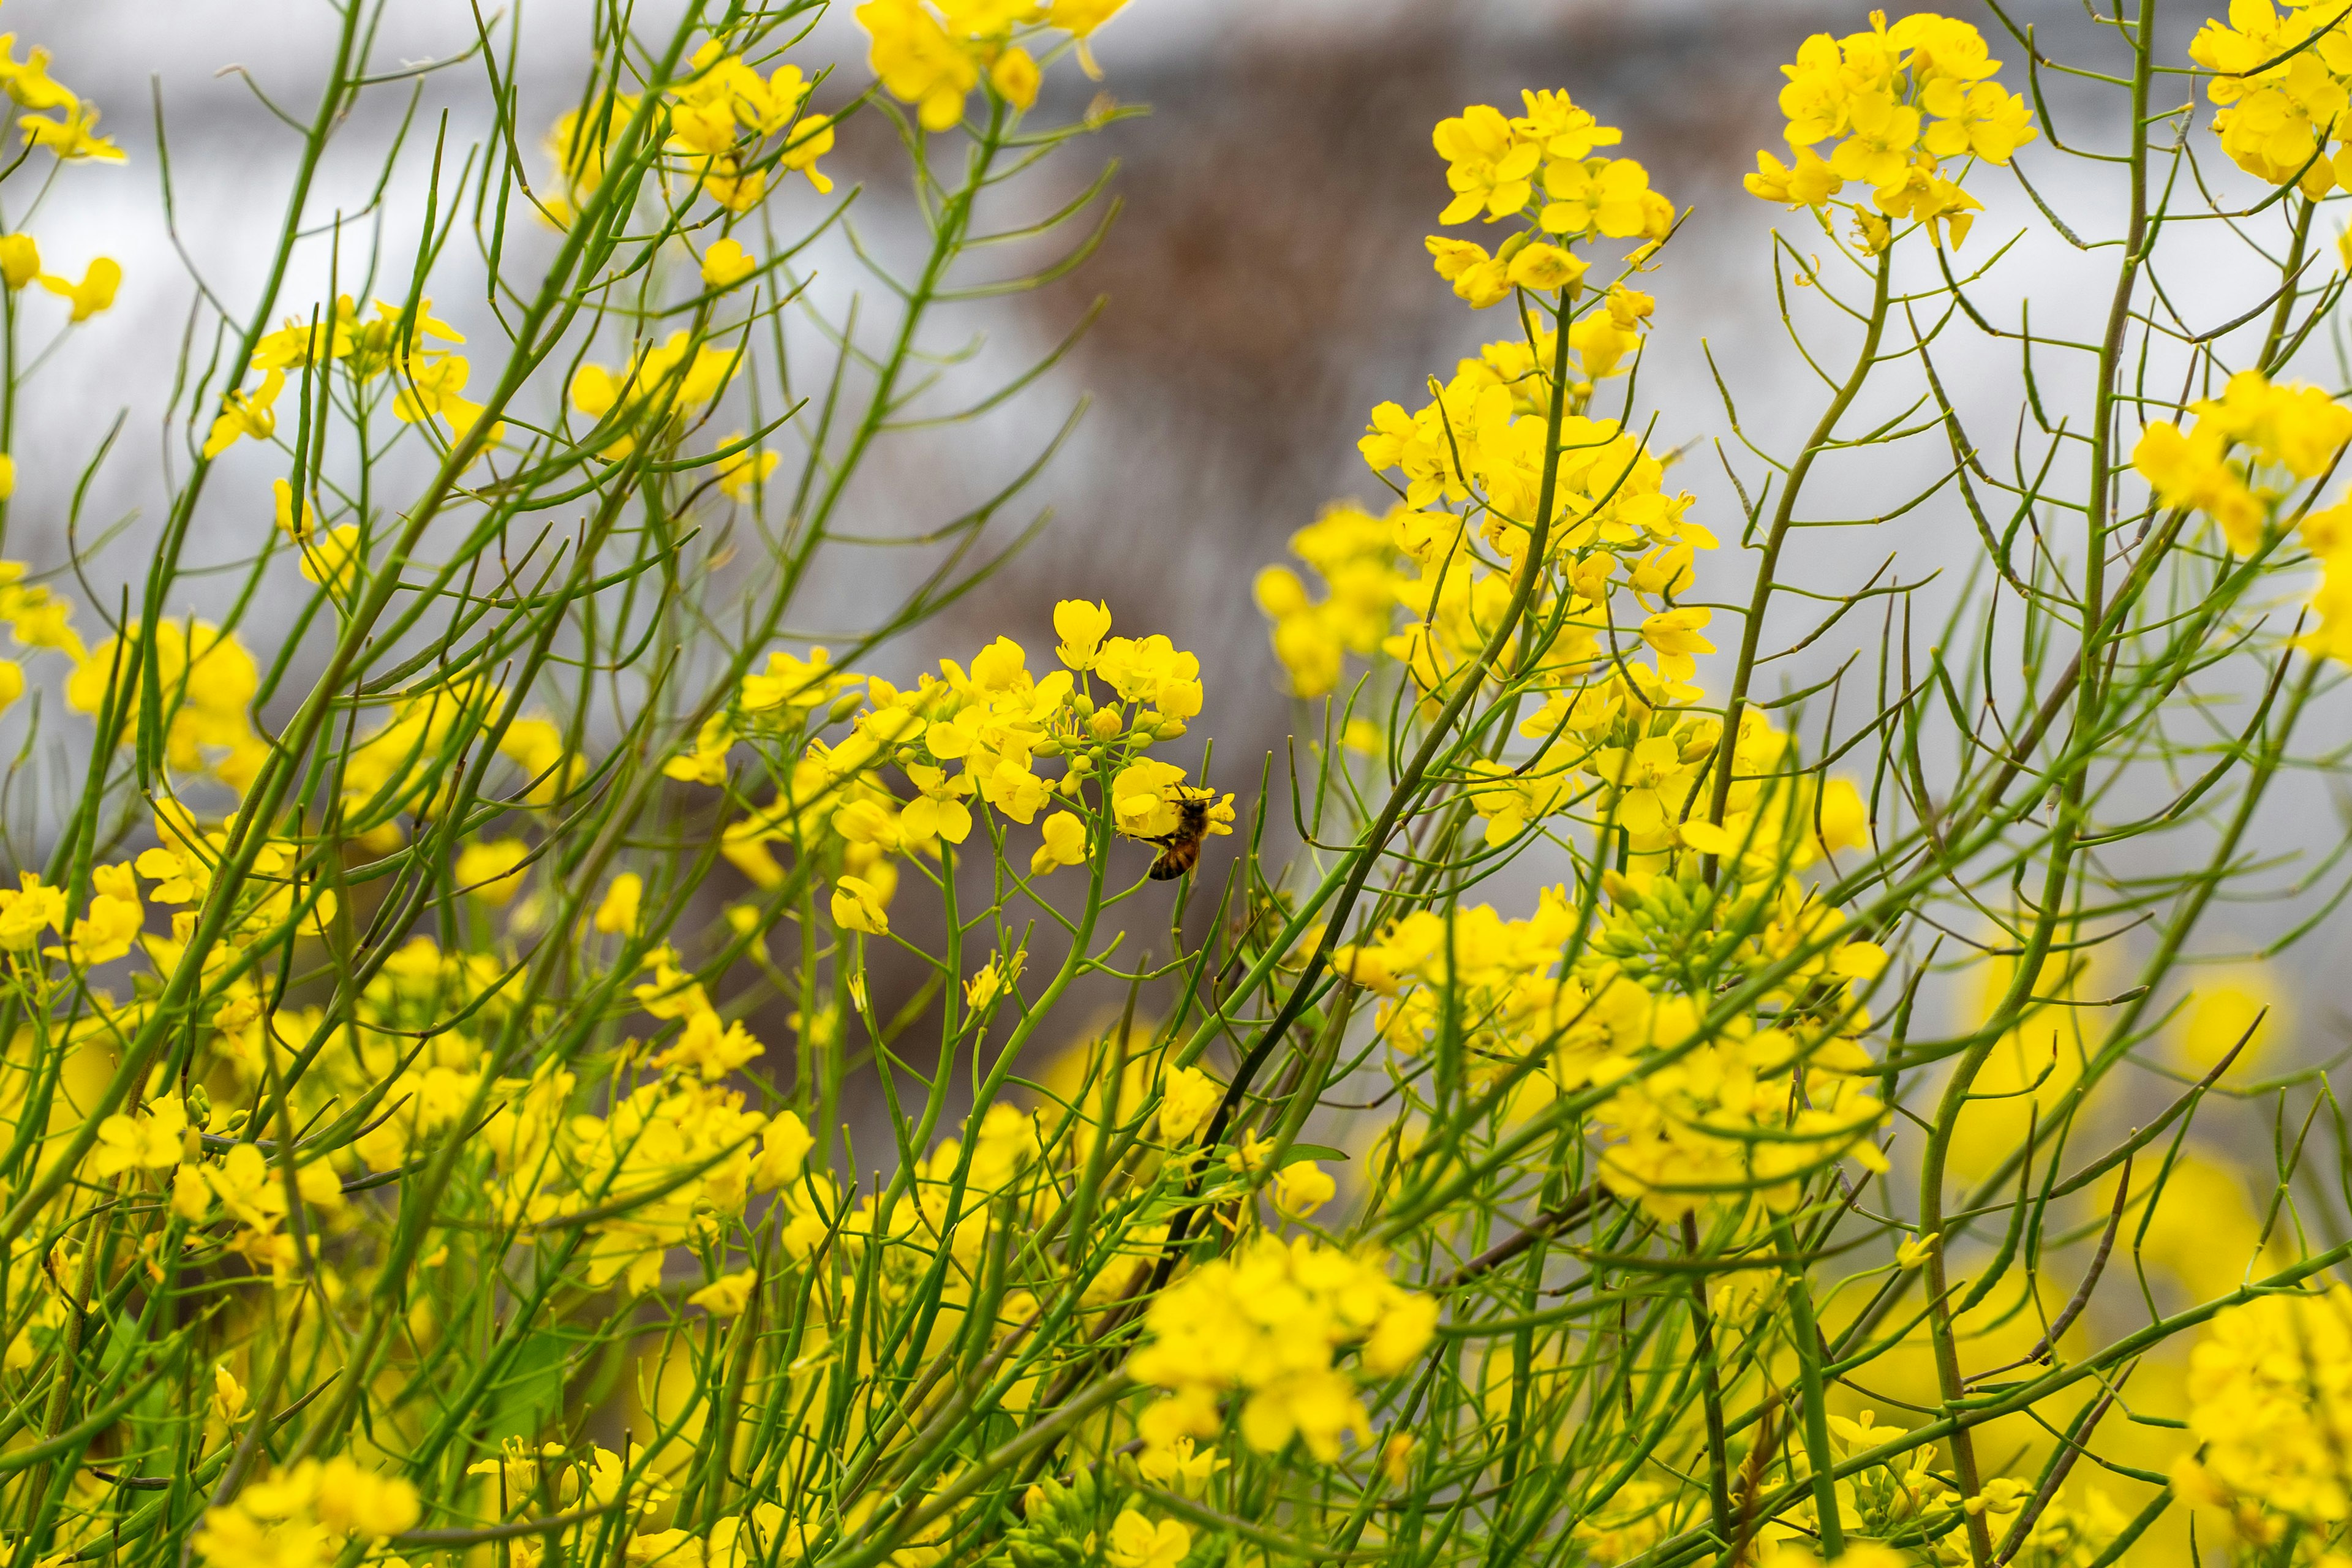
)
(435, 1045)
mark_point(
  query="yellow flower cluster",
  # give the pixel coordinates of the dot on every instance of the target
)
(1269, 1322)
(20, 266)
(727, 126)
(429, 385)
(723, 117)
(1499, 166)
(2270, 1394)
(932, 55)
(72, 137)
(961, 736)
(659, 385)
(1478, 967)
(1354, 555)
(2293, 426)
(1897, 102)
(208, 681)
(1695, 1122)
(303, 1517)
(1482, 440)
(2282, 80)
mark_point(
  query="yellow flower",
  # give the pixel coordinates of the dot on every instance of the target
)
(228, 1395)
(618, 914)
(1065, 844)
(712, 1048)
(992, 980)
(29, 908)
(1186, 1102)
(784, 1151)
(149, 1141)
(857, 907)
(916, 62)
(740, 472)
(1015, 77)
(300, 531)
(12, 683)
(435, 389)
(1301, 1187)
(1545, 267)
(1477, 277)
(20, 261)
(114, 919)
(1136, 1542)
(1490, 170)
(726, 1295)
(1672, 635)
(94, 293)
(244, 414)
(72, 138)
(492, 871)
(812, 138)
(1081, 17)
(1082, 627)
(1843, 816)
(2243, 1004)
(726, 264)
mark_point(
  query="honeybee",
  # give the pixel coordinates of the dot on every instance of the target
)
(1180, 851)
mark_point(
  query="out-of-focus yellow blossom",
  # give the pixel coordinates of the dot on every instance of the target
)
(72, 137)
(726, 1295)
(94, 293)
(1136, 1542)
(2293, 426)
(1015, 76)
(29, 83)
(668, 381)
(1301, 1187)
(1356, 555)
(726, 263)
(303, 1517)
(618, 914)
(917, 61)
(2270, 1389)
(2243, 1008)
(1896, 101)
(1187, 1100)
(711, 1047)
(932, 56)
(739, 473)
(1267, 1323)
(20, 261)
(228, 1395)
(37, 617)
(149, 1141)
(492, 870)
(207, 680)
